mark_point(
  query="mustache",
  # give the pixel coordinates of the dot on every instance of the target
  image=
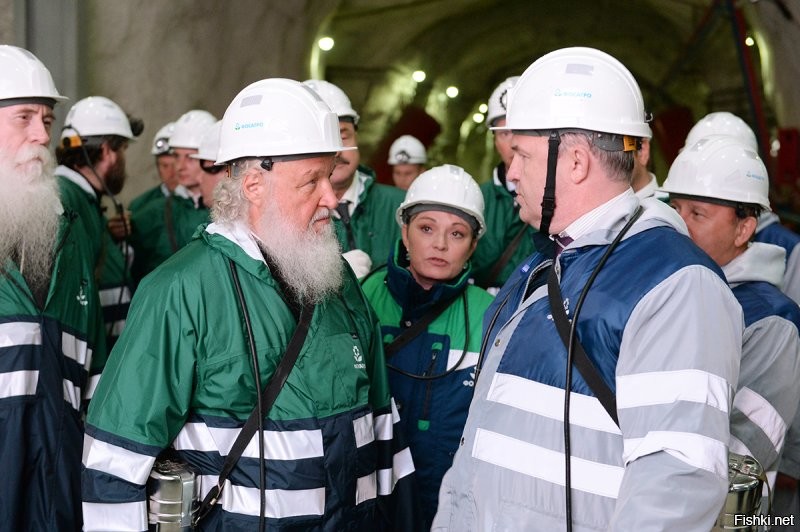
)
(321, 214)
(32, 153)
(339, 159)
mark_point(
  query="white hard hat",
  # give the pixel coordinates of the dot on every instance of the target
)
(719, 167)
(335, 97)
(407, 150)
(275, 117)
(96, 116)
(190, 128)
(24, 76)
(449, 186)
(161, 139)
(722, 123)
(209, 144)
(578, 88)
(498, 101)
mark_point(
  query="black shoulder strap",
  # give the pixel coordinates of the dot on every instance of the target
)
(506, 256)
(417, 327)
(268, 396)
(170, 226)
(586, 367)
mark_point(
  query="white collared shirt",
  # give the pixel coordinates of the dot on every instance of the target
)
(588, 221)
(353, 192)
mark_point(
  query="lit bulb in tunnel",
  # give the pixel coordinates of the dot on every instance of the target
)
(483, 108)
(451, 91)
(478, 118)
(325, 43)
(749, 41)
(418, 76)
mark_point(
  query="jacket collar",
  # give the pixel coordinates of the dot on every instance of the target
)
(237, 242)
(71, 175)
(412, 298)
(601, 230)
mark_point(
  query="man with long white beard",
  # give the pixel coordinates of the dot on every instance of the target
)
(49, 313)
(222, 320)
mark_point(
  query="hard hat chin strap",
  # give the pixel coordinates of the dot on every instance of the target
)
(549, 197)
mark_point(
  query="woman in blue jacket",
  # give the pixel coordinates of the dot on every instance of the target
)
(431, 318)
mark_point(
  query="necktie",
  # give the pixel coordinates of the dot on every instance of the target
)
(344, 215)
(344, 212)
(561, 243)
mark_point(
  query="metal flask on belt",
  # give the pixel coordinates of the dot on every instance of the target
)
(172, 494)
(745, 482)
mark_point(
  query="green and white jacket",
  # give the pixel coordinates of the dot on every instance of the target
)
(111, 272)
(47, 350)
(181, 375)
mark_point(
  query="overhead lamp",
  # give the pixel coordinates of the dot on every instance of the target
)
(418, 76)
(325, 43)
(452, 91)
(483, 108)
(749, 41)
(478, 118)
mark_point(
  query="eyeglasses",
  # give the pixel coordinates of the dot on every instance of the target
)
(210, 168)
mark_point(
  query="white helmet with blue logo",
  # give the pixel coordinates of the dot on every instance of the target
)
(720, 167)
(277, 117)
(578, 88)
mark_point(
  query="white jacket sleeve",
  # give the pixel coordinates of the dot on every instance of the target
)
(791, 279)
(768, 395)
(678, 365)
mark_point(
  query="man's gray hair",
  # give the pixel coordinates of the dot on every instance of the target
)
(230, 204)
(618, 164)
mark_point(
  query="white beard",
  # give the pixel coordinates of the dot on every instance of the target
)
(308, 261)
(29, 213)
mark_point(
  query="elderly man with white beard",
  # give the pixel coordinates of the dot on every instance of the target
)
(50, 321)
(224, 319)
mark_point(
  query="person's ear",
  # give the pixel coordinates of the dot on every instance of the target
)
(578, 159)
(254, 187)
(745, 228)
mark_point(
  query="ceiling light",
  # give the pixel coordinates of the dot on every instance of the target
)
(451, 91)
(418, 76)
(749, 41)
(478, 118)
(325, 43)
(483, 108)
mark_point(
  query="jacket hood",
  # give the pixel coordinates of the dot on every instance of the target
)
(759, 262)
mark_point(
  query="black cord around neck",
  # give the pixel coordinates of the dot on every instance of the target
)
(257, 376)
(447, 371)
(568, 373)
